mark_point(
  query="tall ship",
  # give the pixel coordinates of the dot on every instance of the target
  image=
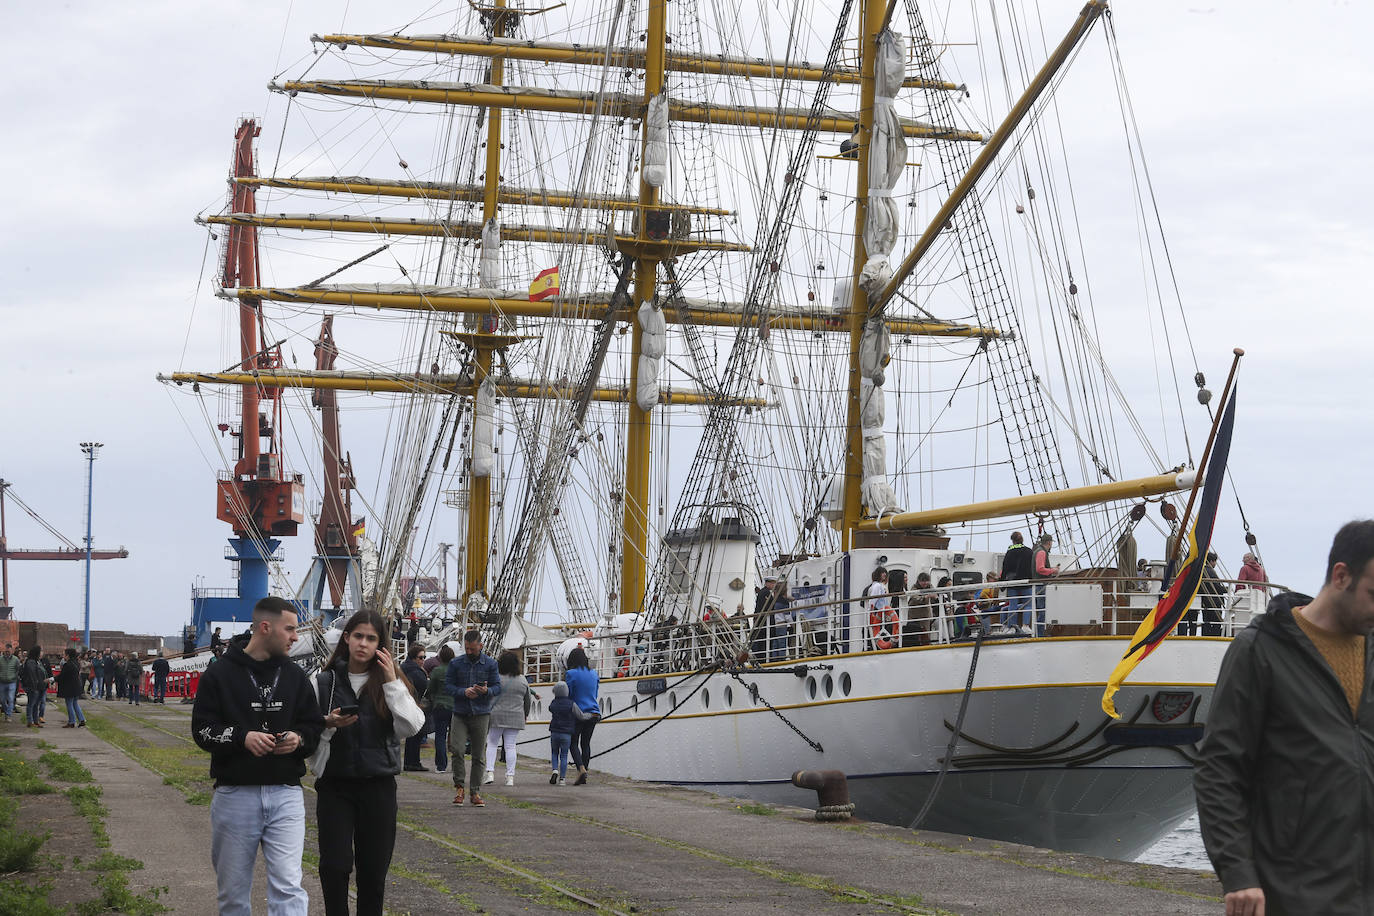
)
(700, 336)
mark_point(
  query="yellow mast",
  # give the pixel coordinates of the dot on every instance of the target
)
(479, 488)
(870, 25)
(635, 539)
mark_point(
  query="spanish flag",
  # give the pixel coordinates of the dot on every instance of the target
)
(544, 285)
(1160, 622)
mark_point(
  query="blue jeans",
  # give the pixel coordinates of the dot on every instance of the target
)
(442, 719)
(1018, 606)
(7, 692)
(38, 701)
(74, 710)
(98, 687)
(559, 743)
(242, 818)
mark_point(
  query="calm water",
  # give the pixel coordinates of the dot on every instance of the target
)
(1180, 849)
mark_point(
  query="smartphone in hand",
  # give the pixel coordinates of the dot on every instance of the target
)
(349, 710)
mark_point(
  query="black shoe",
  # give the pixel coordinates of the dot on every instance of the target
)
(581, 779)
(416, 768)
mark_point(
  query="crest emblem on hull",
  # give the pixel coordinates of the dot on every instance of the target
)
(1169, 705)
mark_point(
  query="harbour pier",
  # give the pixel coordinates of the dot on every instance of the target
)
(613, 846)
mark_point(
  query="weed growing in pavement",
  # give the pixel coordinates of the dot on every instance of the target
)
(86, 801)
(23, 900)
(182, 768)
(116, 897)
(19, 777)
(65, 767)
(18, 851)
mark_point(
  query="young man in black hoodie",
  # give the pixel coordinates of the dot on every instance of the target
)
(257, 715)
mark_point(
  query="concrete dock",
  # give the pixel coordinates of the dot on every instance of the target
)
(613, 845)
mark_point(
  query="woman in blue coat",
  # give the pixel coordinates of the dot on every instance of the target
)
(583, 687)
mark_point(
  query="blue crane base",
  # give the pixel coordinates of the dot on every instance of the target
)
(211, 605)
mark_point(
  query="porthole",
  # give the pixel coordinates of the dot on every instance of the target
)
(653, 703)
(705, 699)
(672, 699)
(811, 687)
(729, 697)
(634, 703)
(846, 684)
(610, 704)
(829, 685)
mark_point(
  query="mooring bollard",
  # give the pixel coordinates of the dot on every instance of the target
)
(832, 792)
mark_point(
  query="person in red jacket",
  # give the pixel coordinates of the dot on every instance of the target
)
(1041, 568)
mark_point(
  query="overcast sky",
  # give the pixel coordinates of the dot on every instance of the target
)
(119, 125)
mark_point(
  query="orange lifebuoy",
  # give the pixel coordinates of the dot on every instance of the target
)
(622, 667)
(882, 626)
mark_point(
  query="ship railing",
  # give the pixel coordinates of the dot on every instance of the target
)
(1099, 606)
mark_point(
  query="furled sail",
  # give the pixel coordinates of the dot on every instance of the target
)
(483, 412)
(656, 141)
(886, 159)
(652, 348)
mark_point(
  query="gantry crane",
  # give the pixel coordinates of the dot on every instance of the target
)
(69, 550)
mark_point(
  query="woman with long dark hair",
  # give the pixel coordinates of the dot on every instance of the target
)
(369, 711)
(69, 689)
(583, 687)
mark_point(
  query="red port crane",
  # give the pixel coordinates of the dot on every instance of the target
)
(69, 551)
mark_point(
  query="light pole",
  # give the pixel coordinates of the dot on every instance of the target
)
(90, 450)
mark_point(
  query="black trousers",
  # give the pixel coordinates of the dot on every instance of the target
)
(357, 825)
(582, 741)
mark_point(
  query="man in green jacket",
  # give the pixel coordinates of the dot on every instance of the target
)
(1285, 781)
(9, 680)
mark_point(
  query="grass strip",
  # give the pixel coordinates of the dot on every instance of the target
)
(86, 801)
(64, 767)
(19, 777)
(185, 770)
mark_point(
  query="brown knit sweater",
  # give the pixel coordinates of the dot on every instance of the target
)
(1345, 655)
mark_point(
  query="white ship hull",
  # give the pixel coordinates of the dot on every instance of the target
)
(1051, 770)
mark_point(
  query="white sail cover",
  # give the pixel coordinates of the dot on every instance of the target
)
(878, 494)
(483, 415)
(653, 344)
(886, 159)
(489, 270)
(656, 141)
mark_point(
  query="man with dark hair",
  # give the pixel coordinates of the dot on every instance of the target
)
(473, 682)
(258, 717)
(1016, 566)
(1285, 780)
(109, 665)
(9, 680)
(161, 668)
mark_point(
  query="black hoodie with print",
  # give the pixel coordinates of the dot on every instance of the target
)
(239, 695)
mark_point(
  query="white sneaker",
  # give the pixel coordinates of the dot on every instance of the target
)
(510, 779)
(489, 778)
(562, 781)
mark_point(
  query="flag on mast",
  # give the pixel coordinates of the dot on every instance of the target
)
(545, 285)
(1161, 621)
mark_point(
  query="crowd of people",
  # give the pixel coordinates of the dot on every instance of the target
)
(357, 725)
(77, 675)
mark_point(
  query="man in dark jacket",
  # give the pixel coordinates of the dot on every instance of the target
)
(1285, 780)
(1016, 566)
(109, 664)
(473, 682)
(161, 668)
(257, 715)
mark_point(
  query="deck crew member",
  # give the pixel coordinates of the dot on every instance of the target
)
(1042, 570)
(1016, 566)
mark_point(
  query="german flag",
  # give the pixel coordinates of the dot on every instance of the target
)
(1162, 621)
(544, 285)
(359, 528)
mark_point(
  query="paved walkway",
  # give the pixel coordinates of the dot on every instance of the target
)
(627, 847)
